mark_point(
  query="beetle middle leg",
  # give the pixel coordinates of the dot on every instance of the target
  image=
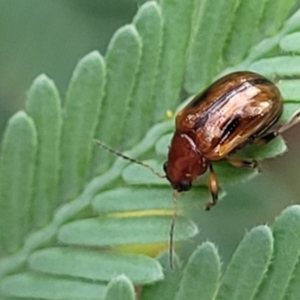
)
(213, 187)
(262, 140)
(241, 163)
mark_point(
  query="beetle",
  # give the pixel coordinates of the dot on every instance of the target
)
(238, 109)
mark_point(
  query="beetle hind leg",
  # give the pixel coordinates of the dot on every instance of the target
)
(213, 187)
(262, 140)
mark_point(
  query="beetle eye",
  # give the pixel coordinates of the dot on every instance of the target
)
(183, 185)
(165, 166)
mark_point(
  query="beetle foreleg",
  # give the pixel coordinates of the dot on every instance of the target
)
(213, 187)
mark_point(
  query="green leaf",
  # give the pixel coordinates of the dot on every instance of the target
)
(213, 21)
(17, 163)
(243, 36)
(177, 16)
(148, 22)
(291, 42)
(293, 23)
(120, 288)
(122, 60)
(268, 47)
(286, 231)
(201, 274)
(143, 201)
(164, 289)
(289, 89)
(276, 11)
(43, 105)
(248, 265)
(277, 66)
(290, 109)
(37, 286)
(133, 199)
(162, 144)
(95, 265)
(293, 290)
(81, 113)
(126, 230)
(135, 174)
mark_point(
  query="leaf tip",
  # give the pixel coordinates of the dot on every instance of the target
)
(42, 79)
(120, 287)
(128, 29)
(151, 6)
(41, 83)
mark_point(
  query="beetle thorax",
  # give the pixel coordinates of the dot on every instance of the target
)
(185, 162)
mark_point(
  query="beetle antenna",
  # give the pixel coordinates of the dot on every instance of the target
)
(172, 227)
(133, 160)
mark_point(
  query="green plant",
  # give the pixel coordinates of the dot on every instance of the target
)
(69, 210)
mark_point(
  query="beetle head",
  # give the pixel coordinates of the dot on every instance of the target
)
(185, 162)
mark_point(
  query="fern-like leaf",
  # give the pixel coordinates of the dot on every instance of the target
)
(70, 213)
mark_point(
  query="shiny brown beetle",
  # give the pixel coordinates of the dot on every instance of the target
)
(238, 109)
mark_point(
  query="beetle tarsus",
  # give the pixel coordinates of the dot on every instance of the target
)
(209, 205)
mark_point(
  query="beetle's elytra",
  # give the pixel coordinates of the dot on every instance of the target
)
(238, 109)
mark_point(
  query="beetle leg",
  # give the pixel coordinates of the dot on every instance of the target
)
(240, 163)
(260, 141)
(213, 187)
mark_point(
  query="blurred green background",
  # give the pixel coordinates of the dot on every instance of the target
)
(51, 36)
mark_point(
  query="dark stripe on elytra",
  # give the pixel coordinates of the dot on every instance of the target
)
(229, 128)
(225, 98)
